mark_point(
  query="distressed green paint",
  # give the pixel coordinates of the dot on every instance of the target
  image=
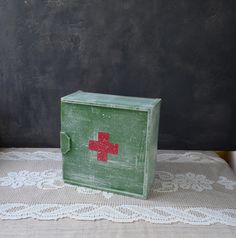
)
(132, 123)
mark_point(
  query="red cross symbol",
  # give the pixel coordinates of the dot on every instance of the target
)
(103, 146)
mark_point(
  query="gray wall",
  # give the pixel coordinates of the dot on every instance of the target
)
(180, 50)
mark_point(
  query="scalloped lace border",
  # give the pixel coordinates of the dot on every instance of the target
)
(122, 213)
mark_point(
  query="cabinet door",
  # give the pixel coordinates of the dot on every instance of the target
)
(106, 147)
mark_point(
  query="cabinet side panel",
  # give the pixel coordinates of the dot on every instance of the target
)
(152, 142)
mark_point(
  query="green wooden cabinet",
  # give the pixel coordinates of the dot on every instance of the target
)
(109, 142)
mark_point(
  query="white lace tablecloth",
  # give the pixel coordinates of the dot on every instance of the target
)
(196, 188)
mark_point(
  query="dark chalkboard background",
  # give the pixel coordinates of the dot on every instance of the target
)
(181, 50)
